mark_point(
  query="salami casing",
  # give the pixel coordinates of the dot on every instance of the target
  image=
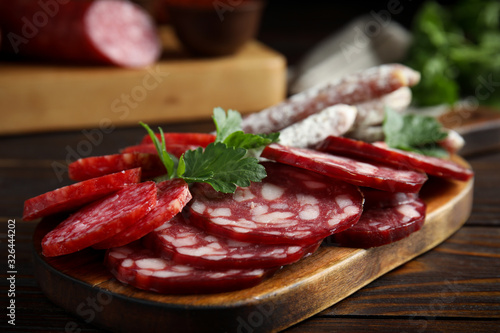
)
(141, 268)
(73, 196)
(184, 243)
(172, 196)
(290, 206)
(351, 170)
(82, 32)
(100, 220)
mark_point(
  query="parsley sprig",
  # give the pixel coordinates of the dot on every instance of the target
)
(225, 164)
(413, 132)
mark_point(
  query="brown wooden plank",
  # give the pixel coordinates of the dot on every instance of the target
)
(441, 283)
(396, 325)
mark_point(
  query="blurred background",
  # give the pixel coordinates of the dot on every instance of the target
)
(288, 47)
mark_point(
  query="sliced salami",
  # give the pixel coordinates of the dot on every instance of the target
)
(141, 268)
(83, 32)
(73, 196)
(352, 89)
(172, 196)
(195, 139)
(379, 151)
(383, 199)
(96, 166)
(380, 226)
(353, 171)
(184, 243)
(100, 220)
(149, 148)
(290, 206)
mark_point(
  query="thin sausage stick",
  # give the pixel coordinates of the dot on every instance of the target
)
(352, 89)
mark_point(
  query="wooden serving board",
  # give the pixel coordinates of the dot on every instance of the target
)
(37, 97)
(80, 283)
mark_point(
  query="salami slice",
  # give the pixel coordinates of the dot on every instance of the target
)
(290, 206)
(96, 166)
(149, 148)
(172, 197)
(353, 171)
(184, 243)
(84, 32)
(380, 152)
(73, 196)
(195, 139)
(141, 268)
(352, 89)
(100, 220)
(380, 226)
(383, 199)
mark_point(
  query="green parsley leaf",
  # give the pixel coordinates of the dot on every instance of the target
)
(221, 166)
(455, 47)
(240, 139)
(229, 162)
(225, 125)
(168, 160)
(414, 132)
(433, 149)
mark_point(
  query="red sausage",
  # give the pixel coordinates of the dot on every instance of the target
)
(176, 149)
(83, 32)
(290, 206)
(186, 244)
(380, 226)
(96, 166)
(196, 139)
(383, 199)
(143, 269)
(381, 153)
(350, 170)
(76, 195)
(172, 197)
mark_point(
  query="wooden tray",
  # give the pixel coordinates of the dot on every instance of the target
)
(44, 97)
(80, 284)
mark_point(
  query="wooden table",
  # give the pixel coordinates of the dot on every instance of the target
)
(454, 287)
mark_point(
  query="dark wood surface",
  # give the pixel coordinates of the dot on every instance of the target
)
(454, 287)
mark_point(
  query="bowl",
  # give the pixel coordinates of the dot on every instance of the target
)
(216, 27)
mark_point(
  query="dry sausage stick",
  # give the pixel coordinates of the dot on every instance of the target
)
(352, 89)
(84, 32)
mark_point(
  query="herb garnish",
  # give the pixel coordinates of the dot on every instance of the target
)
(414, 132)
(228, 162)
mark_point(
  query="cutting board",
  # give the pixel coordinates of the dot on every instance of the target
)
(81, 284)
(43, 97)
